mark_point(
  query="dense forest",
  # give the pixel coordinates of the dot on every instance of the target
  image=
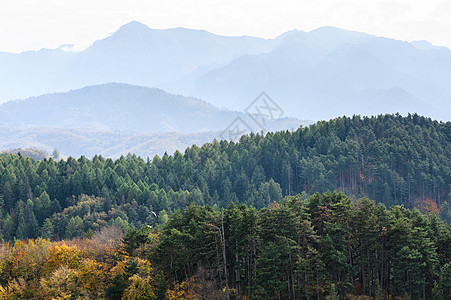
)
(254, 219)
(392, 159)
(326, 246)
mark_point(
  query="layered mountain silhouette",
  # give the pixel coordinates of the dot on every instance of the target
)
(114, 119)
(313, 75)
(122, 107)
(134, 54)
(330, 72)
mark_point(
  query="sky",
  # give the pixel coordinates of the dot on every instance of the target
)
(36, 24)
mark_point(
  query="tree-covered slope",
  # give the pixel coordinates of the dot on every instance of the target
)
(309, 248)
(326, 246)
(389, 158)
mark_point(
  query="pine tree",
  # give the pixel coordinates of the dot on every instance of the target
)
(32, 226)
(117, 288)
(74, 227)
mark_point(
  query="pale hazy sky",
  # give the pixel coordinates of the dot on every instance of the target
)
(35, 24)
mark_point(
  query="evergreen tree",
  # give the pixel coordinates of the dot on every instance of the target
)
(47, 229)
(74, 227)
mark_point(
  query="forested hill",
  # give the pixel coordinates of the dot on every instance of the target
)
(319, 247)
(389, 158)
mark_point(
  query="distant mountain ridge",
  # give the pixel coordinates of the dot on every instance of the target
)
(123, 108)
(89, 142)
(115, 119)
(321, 77)
(134, 54)
(314, 75)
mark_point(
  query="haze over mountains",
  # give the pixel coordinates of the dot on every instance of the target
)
(115, 119)
(313, 75)
(134, 54)
(330, 72)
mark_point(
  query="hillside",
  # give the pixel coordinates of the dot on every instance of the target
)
(116, 119)
(203, 253)
(389, 158)
(400, 162)
(117, 107)
(91, 142)
(36, 154)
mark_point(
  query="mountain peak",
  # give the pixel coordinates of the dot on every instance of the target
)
(134, 25)
(290, 33)
(335, 31)
(132, 31)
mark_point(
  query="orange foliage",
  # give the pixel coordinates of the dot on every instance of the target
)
(62, 255)
(431, 206)
(274, 205)
(184, 290)
(40, 269)
(362, 177)
(27, 258)
(427, 206)
(61, 284)
(140, 288)
(16, 289)
(92, 276)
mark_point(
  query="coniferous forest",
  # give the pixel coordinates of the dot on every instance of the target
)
(352, 206)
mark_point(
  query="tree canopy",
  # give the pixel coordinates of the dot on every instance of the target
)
(392, 159)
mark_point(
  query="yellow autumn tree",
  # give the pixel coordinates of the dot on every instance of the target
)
(15, 289)
(140, 288)
(61, 284)
(184, 291)
(26, 258)
(62, 256)
(92, 277)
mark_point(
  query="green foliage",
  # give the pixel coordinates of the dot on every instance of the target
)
(117, 288)
(74, 227)
(203, 204)
(389, 158)
(47, 229)
(436, 293)
(445, 280)
(161, 288)
(308, 246)
(333, 294)
(324, 246)
(136, 237)
(131, 267)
